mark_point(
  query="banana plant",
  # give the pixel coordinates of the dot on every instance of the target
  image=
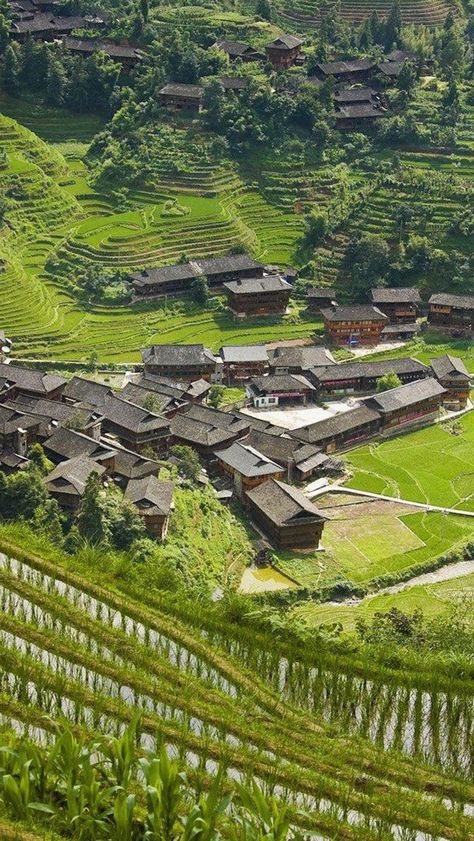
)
(164, 789)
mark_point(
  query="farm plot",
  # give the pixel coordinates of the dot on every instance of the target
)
(306, 14)
(72, 649)
(434, 465)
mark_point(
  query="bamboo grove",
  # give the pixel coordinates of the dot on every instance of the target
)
(76, 652)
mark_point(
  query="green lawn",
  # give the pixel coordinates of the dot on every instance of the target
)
(432, 465)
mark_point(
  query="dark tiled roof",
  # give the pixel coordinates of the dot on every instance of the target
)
(256, 285)
(222, 420)
(402, 55)
(233, 83)
(336, 68)
(390, 68)
(354, 370)
(132, 417)
(407, 294)
(322, 292)
(362, 312)
(247, 461)
(244, 353)
(285, 42)
(70, 476)
(280, 383)
(176, 355)
(132, 465)
(220, 265)
(188, 271)
(178, 89)
(29, 379)
(304, 357)
(86, 391)
(160, 385)
(48, 22)
(281, 448)
(357, 111)
(198, 432)
(406, 395)
(449, 366)
(138, 394)
(336, 425)
(260, 424)
(283, 504)
(401, 328)
(233, 48)
(11, 420)
(151, 495)
(355, 95)
(89, 45)
(444, 299)
(67, 443)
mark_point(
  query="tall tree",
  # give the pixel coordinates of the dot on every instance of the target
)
(393, 27)
(11, 71)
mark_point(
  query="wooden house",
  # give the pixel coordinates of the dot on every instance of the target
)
(154, 499)
(452, 374)
(18, 431)
(347, 72)
(238, 50)
(247, 467)
(177, 279)
(258, 296)
(284, 51)
(399, 305)
(242, 362)
(66, 444)
(362, 377)
(300, 461)
(283, 389)
(135, 426)
(408, 404)
(285, 515)
(14, 379)
(343, 430)
(67, 482)
(126, 55)
(181, 362)
(296, 359)
(320, 298)
(52, 414)
(44, 26)
(178, 97)
(353, 325)
(206, 429)
(453, 314)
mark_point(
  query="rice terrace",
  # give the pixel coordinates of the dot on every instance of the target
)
(236, 420)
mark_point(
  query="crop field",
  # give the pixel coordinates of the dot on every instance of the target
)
(434, 465)
(365, 540)
(76, 648)
(306, 14)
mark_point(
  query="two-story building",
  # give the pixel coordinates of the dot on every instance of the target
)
(452, 374)
(362, 377)
(179, 362)
(247, 467)
(256, 296)
(354, 325)
(153, 498)
(399, 305)
(285, 515)
(178, 97)
(453, 314)
(321, 298)
(177, 279)
(284, 51)
(409, 404)
(242, 362)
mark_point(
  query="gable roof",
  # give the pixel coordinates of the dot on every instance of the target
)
(129, 416)
(280, 383)
(376, 368)
(233, 83)
(359, 110)
(178, 89)
(247, 461)
(285, 42)
(406, 294)
(322, 292)
(233, 48)
(337, 68)
(449, 366)
(406, 395)
(82, 390)
(215, 417)
(256, 285)
(68, 444)
(176, 355)
(284, 504)
(70, 477)
(336, 425)
(356, 312)
(155, 496)
(89, 45)
(208, 266)
(30, 379)
(282, 448)
(199, 432)
(304, 357)
(243, 353)
(12, 420)
(445, 299)
(355, 95)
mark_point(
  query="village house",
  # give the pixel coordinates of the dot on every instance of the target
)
(358, 116)
(177, 279)
(282, 389)
(347, 72)
(297, 359)
(183, 362)
(130, 465)
(178, 97)
(352, 377)
(343, 430)
(247, 467)
(232, 84)
(453, 314)
(125, 54)
(300, 461)
(15, 379)
(45, 26)
(52, 414)
(134, 426)
(67, 482)
(267, 295)
(285, 515)
(154, 500)
(320, 298)
(284, 51)
(155, 397)
(5, 346)
(237, 50)
(353, 325)
(399, 305)
(66, 444)
(400, 331)
(18, 431)
(452, 374)
(242, 362)
(410, 404)
(207, 429)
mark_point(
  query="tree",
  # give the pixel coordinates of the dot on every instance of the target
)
(404, 214)
(216, 395)
(188, 460)
(451, 57)
(123, 520)
(393, 27)
(144, 10)
(407, 78)
(367, 259)
(21, 494)
(200, 290)
(56, 82)
(152, 403)
(39, 460)
(11, 71)
(387, 381)
(91, 522)
(264, 9)
(316, 227)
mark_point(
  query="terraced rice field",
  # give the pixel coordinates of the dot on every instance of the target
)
(307, 14)
(71, 648)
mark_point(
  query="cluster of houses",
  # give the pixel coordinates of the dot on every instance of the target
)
(125, 437)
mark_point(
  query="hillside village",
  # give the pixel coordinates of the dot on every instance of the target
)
(260, 452)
